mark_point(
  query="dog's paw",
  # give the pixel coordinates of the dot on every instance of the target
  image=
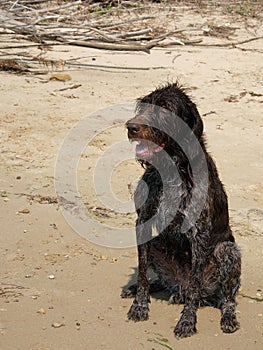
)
(129, 292)
(229, 323)
(138, 312)
(185, 327)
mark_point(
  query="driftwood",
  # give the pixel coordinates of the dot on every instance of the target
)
(96, 36)
(107, 42)
(112, 46)
(77, 23)
(233, 44)
(58, 8)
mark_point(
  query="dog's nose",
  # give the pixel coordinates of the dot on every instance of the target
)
(133, 127)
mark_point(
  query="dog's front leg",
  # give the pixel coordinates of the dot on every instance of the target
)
(140, 308)
(187, 323)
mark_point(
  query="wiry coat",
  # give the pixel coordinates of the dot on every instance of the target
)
(194, 253)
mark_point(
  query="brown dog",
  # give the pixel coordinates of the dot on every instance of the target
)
(194, 254)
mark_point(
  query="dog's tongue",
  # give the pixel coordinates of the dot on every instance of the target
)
(145, 149)
(142, 150)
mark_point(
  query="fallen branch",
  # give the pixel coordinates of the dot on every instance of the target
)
(70, 87)
(233, 43)
(111, 46)
(179, 42)
(135, 33)
(106, 67)
(57, 8)
(117, 24)
(46, 18)
(250, 297)
(106, 37)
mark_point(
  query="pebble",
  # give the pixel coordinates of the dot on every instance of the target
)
(60, 77)
(57, 324)
(24, 211)
(41, 311)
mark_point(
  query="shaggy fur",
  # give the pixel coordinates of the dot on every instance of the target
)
(196, 260)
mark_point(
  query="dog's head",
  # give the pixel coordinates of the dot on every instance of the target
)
(161, 121)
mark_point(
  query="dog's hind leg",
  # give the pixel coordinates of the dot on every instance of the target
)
(155, 286)
(228, 259)
(177, 294)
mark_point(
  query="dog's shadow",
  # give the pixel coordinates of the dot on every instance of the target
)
(161, 295)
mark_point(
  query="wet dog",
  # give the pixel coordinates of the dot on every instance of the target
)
(181, 197)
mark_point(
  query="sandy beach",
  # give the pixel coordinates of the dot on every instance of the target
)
(59, 290)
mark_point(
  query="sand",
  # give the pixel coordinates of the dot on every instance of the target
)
(59, 290)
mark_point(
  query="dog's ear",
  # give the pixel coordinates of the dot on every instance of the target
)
(191, 116)
(183, 106)
(190, 141)
(198, 126)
